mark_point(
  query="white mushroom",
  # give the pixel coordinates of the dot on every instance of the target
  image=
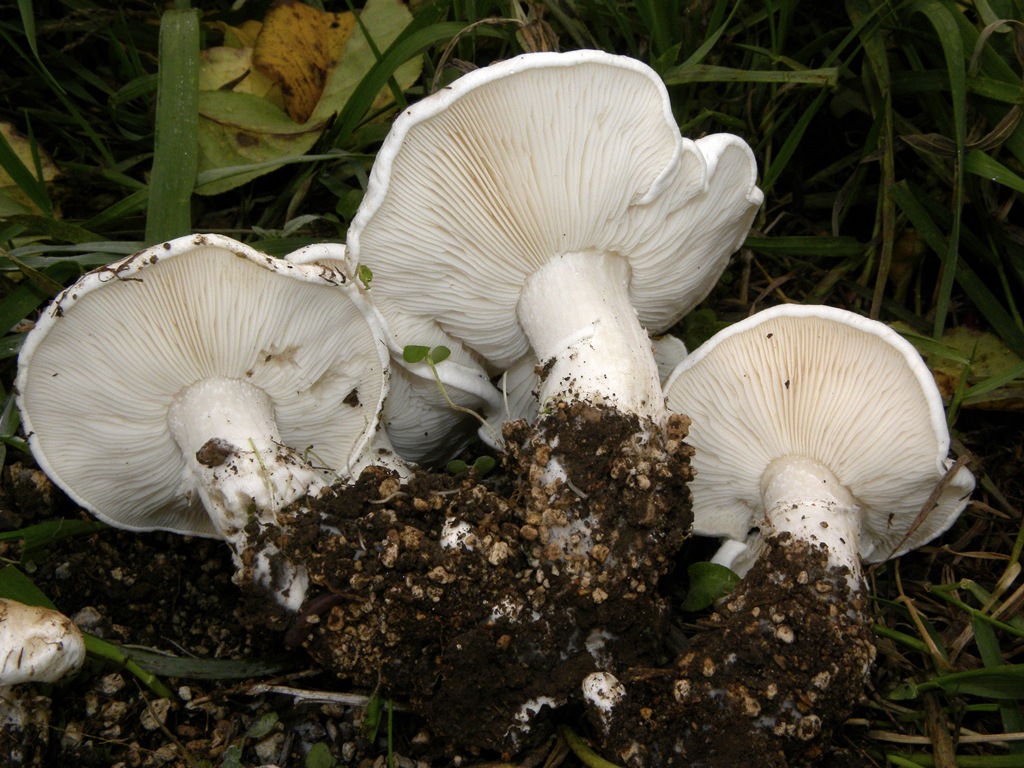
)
(422, 427)
(37, 645)
(821, 423)
(200, 386)
(824, 432)
(547, 206)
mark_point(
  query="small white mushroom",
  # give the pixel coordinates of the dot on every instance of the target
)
(200, 386)
(37, 645)
(821, 423)
(421, 426)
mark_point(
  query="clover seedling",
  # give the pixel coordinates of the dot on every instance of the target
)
(432, 356)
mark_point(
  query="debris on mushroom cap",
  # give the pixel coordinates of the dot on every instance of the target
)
(421, 426)
(822, 385)
(178, 389)
(38, 645)
(468, 211)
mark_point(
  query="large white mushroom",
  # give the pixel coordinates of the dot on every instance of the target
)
(547, 207)
(200, 386)
(820, 442)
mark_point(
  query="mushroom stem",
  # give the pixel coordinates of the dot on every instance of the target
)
(804, 498)
(236, 462)
(577, 314)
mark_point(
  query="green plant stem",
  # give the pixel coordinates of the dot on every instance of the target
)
(579, 748)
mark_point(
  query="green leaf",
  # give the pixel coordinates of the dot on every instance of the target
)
(439, 354)
(263, 726)
(365, 275)
(252, 136)
(457, 466)
(415, 353)
(484, 464)
(319, 756)
(708, 582)
(15, 585)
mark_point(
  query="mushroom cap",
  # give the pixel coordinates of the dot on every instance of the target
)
(37, 644)
(479, 185)
(421, 425)
(824, 384)
(97, 374)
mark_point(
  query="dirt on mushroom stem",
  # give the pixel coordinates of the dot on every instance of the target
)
(478, 633)
(783, 662)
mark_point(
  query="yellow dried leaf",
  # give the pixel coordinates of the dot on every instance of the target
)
(231, 69)
(296, 48)
(242, 36)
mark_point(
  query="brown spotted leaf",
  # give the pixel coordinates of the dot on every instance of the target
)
(296, 48)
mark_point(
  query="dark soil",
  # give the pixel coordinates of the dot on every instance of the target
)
(175, 595)
(473, 639)
(782, 662)
(482, 636)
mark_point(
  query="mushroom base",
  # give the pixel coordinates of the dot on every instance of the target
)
(783, 661)
(455, 598)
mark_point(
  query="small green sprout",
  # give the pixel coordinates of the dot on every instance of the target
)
(365, 275)
(432, 356)
(481, 466)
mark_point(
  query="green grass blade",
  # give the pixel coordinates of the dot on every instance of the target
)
(989, 168)
(17, 586)
(962, 761)
(44, 534)
(210, 669)
(992, 656)
(24, 178)
(942, 17)
(997, 316)
(404, 48)
(28, 25)
(706, 73)
(1001, 683)
(55, 229)
(176, 143)
(793, 142)
(20, 303)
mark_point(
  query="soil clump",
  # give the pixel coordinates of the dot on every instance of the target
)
(482, 607)
(784, 660)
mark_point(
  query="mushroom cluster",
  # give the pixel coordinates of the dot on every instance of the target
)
(203, 387)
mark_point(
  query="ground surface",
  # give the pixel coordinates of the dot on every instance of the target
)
(176, 595)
